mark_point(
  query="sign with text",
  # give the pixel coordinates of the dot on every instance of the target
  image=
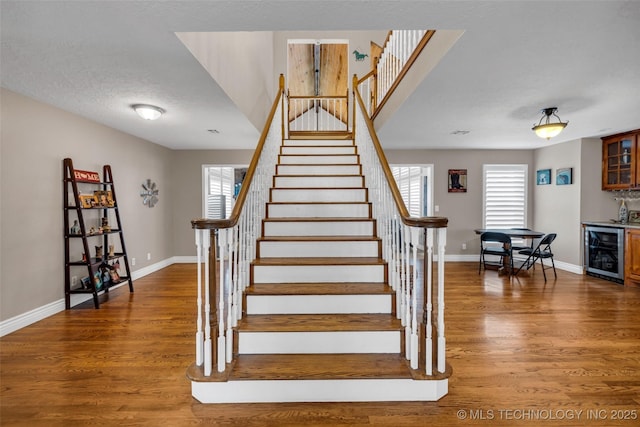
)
(86, 176)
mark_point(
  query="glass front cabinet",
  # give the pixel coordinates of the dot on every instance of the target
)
(620, 161)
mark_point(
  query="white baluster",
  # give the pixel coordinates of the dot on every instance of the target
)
(429, 300)
(442, 242)
(199, 331)
(415, 240)
(226, 288)
(208, 358)
(221, 328)
(233, 264)
(407, 290)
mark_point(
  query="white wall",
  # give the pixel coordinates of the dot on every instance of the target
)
(35, 139)
(242, 64)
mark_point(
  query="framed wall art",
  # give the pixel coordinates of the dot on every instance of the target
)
(564, 176)
(457, 181)
(88, 200)
(543, 177)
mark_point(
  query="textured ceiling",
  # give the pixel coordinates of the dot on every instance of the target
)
(96, 58)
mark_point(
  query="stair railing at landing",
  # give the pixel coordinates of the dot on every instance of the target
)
(317, 113)
(401, 236)
(399, 52)
(220, 290)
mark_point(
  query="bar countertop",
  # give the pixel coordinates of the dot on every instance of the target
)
(612, 223)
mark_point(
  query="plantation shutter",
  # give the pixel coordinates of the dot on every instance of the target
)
(219, 198)
(408, 179)
(505, 196)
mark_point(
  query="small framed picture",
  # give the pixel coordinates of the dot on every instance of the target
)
(88, 200)
(543, 177)
(85, 282)
(564, 176)
(457, 181)
(104, 198)
(634, 217)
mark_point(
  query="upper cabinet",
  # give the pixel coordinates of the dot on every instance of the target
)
(621, 161)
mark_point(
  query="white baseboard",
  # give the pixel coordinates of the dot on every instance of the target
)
(560, 265)
(25, 319)
(30, 317)
(184, 259)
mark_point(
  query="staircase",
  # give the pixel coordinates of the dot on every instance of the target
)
(319, 317)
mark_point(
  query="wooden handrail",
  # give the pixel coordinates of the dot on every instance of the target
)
(407, 219)
(318, 96)
(414, 55)
(366, 76)
(203, 223)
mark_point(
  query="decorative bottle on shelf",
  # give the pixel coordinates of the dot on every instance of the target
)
(625, 156)
(622, 212)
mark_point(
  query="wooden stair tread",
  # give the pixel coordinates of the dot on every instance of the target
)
(328, 261)
(316, 366)
(317, 219)
(317, 146)
(337, 175)
(298, 135)
(317, 188)
(318, 164)
(318, 155)
(319, 203)
(318, 323)
(319, 289)
(338, 238)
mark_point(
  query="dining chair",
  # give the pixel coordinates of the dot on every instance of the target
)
(540, 252)
(516, 247)
(488, 241)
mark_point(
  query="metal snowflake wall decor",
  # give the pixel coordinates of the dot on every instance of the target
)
(149, 193)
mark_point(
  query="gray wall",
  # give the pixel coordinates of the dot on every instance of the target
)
(35, 139)
(557, 207)
(187, 184)
(464, 210)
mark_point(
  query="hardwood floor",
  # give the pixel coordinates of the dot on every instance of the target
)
(523, 352)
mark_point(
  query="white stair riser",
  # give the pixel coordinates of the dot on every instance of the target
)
(319, 210)
(334, 342)
(318, 150)
(316, 142)
(319, 195)
(323, 228)
(318, 273)
(287, 249)
(318, 169)
(354, 390)
(318, 304)
(317, 160)
(314, 181)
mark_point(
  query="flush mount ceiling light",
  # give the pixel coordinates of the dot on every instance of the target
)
(548, 130)
(148, 112)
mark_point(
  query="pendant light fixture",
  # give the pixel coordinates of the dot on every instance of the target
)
(548, 129)
(148, 112)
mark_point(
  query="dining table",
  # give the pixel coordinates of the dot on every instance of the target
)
(512, 233)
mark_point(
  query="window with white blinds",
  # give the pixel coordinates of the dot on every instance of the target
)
(505, 196)
(409, 181)
(218, 197)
